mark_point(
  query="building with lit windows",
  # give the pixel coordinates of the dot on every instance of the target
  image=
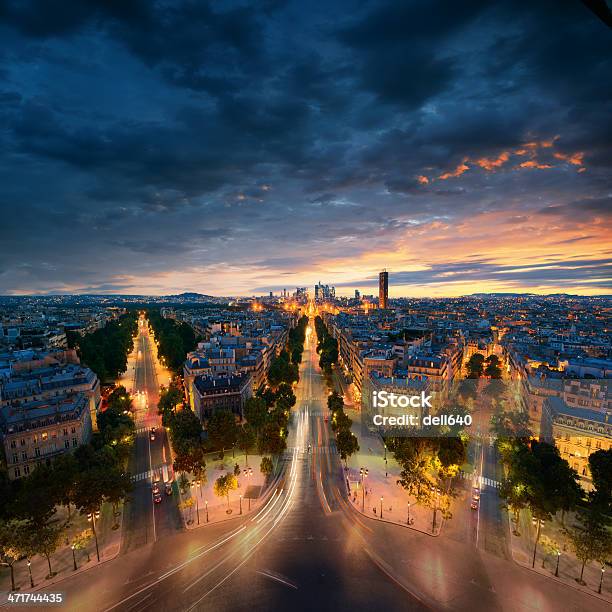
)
(214, 393)
(383, 289)
(34, 432)
(578, 432)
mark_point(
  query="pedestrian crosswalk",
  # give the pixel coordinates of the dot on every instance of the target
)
(481, 480)
(156, 471)
(141, 476)
(323, 450)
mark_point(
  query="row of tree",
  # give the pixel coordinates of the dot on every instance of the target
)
(95, 473)
(539, 479)
(478, 366)
(266, 414)
(327, 346)
(175, 338)
(429, 465)
(106, 350)
(285, 366)
(296, 339)
(346, 441)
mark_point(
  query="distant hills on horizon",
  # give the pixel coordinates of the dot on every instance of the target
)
(202, 297)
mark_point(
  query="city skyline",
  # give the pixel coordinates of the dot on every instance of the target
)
(262, 147)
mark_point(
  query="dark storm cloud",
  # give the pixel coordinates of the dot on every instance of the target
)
(587, 207)
(396, 44)
(153, 128)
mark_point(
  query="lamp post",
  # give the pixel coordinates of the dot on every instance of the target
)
(74, 558)
(557, 568)
(248, 472)
(408, 519)
(539, 523)
(381, 501)
(92, 516)
(603, 569)
(206, 503)
(30, 571)
(364, 474)
(435, 509)
(194, 484)
(241, 504)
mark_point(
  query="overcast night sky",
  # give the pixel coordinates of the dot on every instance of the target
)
(159, 147)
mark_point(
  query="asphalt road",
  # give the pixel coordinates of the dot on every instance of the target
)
(143, 521)
(307, 549)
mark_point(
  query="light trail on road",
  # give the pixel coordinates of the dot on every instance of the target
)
(239, 546)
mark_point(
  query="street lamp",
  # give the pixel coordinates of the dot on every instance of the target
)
(30, 570)
(364, 474)
(241, 504)
(92, 516)
(558, 557)
(408, 520)
(74, 558)
(435, 509)
(194, 484)
(248, 472)
(539, 523)
(381, 501)
(603, 569)
(206, 503)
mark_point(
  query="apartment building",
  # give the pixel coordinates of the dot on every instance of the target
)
(213, 393)
(35, 431)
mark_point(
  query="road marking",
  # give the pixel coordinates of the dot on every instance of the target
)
(277, 578)
(139, 602)
(175, 569)
(152, 502)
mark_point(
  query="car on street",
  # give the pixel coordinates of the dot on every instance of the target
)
(168, 488)
(157, 498)
(156, 488)
(474, 504)
(152, 433)
(475, 492)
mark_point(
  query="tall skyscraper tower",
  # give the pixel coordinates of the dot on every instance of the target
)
(383, 289)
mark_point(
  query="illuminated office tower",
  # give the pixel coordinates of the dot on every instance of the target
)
(383, 289)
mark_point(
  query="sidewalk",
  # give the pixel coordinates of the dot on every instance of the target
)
(213, 509)
(62, 562)
(382, 482)
(569, 567)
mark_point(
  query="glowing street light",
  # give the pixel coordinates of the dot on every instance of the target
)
(194, 484)
(364, 474)
(30, 570)
(248, 472)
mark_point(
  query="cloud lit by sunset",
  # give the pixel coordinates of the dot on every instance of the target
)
(289, 159)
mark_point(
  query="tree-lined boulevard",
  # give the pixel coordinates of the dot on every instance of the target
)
(306, 547)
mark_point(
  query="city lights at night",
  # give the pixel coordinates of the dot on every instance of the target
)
(305, 305)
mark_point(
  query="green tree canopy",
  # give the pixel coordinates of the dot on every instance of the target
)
(222, 429)
(600, 464)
